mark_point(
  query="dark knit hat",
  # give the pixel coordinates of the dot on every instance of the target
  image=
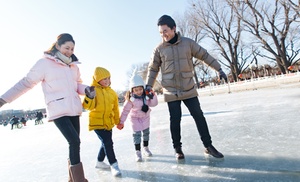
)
(166, 20)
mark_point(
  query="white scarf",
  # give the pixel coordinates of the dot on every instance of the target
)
(64, 58)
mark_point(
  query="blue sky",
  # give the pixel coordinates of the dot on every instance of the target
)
(114, 34)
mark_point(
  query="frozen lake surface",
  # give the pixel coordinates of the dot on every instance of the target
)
(256, 130)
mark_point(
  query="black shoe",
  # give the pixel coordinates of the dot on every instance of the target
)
(178, 153)
(211, 150)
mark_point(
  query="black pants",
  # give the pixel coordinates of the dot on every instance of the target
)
(12, 125)
(193, 106)
(69, 126)
(107, 147)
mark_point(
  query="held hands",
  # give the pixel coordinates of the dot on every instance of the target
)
(2, 102)
(120, 126)
(222, 74)
(90, 92)
(149, 92)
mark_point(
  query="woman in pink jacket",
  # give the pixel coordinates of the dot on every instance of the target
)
(137, 107)
(61, 83)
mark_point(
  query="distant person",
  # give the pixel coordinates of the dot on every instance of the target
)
(61, 83)
(5, 123)
(39, 118)
(137, 107)
(174, 58)
(23, 121)
(14, 121)
(102, 101)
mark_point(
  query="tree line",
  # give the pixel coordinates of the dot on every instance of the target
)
(242, 32)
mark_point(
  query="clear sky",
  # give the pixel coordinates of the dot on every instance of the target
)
(114, 34)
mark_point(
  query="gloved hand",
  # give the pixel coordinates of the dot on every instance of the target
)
(149, 92)
(120, 126)
(222, 75)
(197, 62)
(2, 102)
(90, 92)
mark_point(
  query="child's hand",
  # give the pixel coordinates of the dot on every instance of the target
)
(120, 126)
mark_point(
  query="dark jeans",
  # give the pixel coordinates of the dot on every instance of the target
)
(69, 126)
(14, 123)
(193, 106)
(107, 146)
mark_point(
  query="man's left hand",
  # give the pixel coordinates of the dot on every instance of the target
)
(222, 74)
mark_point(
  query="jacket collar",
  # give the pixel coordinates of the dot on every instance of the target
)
(53, 58)
(178, 40)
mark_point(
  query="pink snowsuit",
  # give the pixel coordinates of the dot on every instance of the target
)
(139, 119)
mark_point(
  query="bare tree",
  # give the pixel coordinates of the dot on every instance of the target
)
(189, 26)
(295, 6)
(221, 25)
(273, 25)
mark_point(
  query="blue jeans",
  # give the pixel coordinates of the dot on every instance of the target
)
(69, 126)
(107, 146)
(193, 106)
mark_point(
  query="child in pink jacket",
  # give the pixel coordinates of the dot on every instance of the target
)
(137, 108)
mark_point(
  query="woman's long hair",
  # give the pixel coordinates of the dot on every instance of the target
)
(61, 39)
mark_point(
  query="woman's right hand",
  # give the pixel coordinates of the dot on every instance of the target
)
(90, 92)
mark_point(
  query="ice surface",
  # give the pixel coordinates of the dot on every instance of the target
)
(256, 130)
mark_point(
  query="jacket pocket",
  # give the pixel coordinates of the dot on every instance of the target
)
(58, 107)
(167, 80)
(96, 119)
(187, 74)
(187, 80)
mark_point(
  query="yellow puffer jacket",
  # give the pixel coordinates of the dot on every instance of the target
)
(104, 108)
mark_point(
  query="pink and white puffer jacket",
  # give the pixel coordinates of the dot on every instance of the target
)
(139, 119)
(61, 84)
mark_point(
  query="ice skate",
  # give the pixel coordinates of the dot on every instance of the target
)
(115, 171)
(147, 152)
(102, 165)
(211, 151)
(178, 153)
(138, 156)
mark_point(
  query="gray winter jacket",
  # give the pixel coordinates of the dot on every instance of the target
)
(175, 61)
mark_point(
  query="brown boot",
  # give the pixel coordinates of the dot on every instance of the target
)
(69, 169)
(77, 173)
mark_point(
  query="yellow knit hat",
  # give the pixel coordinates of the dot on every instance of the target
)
(101, 73)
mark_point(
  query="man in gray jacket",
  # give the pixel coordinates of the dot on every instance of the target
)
(174, 57)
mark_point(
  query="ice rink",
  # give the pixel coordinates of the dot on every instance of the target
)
(258, 131)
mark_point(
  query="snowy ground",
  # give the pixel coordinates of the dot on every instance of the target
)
(257, 131)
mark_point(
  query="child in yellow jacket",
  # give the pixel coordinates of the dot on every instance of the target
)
(102, 101)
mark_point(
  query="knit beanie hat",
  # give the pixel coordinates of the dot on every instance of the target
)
(101, 73)
(135, 81)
